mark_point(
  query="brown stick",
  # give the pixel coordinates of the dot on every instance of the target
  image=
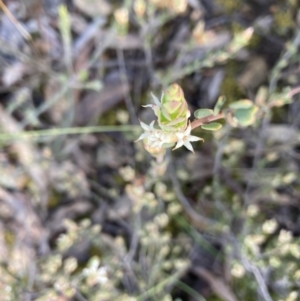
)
(198, 122)
(294, 91)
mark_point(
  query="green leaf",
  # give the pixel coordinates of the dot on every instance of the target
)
(220, 102)
(201, 113)
(214, 126)
(245, 117)
(241, 104)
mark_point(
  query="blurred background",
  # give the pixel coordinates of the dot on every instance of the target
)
(86, 213)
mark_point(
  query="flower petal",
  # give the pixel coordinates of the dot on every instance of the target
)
(179, 144)
(194, 138)
(151, 125)
(188, 145)
(147, 127)
(144, 125)
(155, 99)
(143, 136)
(188, 130)
(180, 135)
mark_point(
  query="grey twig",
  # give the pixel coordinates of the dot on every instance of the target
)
(198, 220)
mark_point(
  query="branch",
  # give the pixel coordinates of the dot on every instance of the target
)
(199, 221)
(294, 91)
(198, 122)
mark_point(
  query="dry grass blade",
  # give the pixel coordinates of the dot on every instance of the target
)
(17, 24)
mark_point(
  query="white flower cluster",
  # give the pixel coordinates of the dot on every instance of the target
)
(173, 115)
(156, 139)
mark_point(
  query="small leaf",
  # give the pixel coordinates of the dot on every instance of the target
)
(214, 126)
(241, 104)
(220, 102)
(245, 117)
(201, 113)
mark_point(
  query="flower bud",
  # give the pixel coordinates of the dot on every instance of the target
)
(174, 113)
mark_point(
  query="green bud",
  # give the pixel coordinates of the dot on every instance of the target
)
(173, 113)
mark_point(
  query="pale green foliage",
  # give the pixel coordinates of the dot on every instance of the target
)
(201, 113)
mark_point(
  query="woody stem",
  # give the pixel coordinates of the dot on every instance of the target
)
(198, 122)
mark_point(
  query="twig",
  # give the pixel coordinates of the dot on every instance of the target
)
(66, 131)
(275, 74)
(198, 122)
(259, 279)
(293, 92)
(263, 288)
(198, 220)
(17, 24)
(124, 79)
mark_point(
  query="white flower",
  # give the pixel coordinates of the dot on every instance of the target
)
(94, 273)
(157, 139)
(184, 138)
(149, 130)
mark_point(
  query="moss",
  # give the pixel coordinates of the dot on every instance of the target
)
(53, 200)
(95, 251)
(118, 179)
(229, 87)
(108, 118)
(254, 41)
(283, 19)
(9, 238)
(229, 5)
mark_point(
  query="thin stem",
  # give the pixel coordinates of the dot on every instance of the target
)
(199, 221)
(67, 131)
(294, 91)
(124, 79)
(198, 122)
